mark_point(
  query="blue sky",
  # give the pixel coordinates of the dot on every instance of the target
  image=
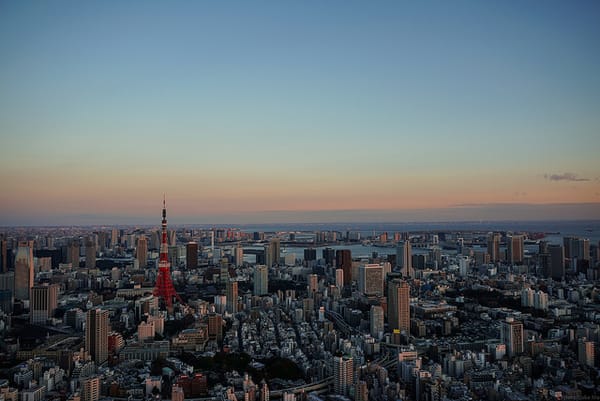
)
(246, 107)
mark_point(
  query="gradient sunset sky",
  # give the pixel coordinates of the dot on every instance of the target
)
(245, 112)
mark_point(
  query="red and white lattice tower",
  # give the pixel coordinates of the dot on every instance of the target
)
(164, 285)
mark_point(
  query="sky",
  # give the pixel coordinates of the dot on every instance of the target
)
(249, 112)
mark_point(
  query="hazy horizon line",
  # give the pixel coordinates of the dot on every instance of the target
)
(491, 212)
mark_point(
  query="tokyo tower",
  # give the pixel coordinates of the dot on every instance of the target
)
(164, 285)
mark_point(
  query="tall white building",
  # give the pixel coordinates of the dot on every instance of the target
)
(464, 263)
(343, 374)
(339, 278)
(376, 320)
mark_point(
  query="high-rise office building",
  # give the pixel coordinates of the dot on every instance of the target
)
(268, 259)
(511, 334)
(90, 389)
(275, 251)
(586, 352)
(73, 253)
(43, 302)
(493, 247)
(191, 255)
(556, 262)
(329, 255)
(339, 278)
(376, 321)
(90, 254)
(515, 249)
(114, 237)
(215, 327)
(343, 260)
(3, 255)
(576, 248)
(261, 280)
(24, 270)
(141, 251)
(343, 374)
(370, 279)
(404, 258)
(231, 297)
(399, 305)
(310, 254)
(239, 255)
(96, 335)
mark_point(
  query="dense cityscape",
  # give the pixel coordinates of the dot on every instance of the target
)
(91, 313)
(332, 200)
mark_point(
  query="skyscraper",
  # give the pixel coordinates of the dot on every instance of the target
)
(141, 251)
(343, 374)
(275, 249)
(191, 255)
(73, 253)
(3, 255)
(370, 279)
(114, 237)
(404, 258)
(239, 255)
(511, 334)
(261, 280)
(493, 247)
(215, 327)
(43, 303)
(90, 254)
(576, 248)
(310, 254)
(343, 260)
(231, 297)
(586, 352)
(90, 389)
(376, 321)
(96, 335)
(556, 262)
(329, 255)
(515, 249)
(339, 278)
(23, 269)
(399, 305)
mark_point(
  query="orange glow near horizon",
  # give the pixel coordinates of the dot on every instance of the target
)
(190, 195)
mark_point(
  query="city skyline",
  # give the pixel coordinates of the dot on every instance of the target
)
(298, 112)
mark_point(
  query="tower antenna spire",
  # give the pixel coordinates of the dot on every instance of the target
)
(164, 285)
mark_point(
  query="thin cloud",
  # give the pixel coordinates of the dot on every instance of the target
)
(565, 177)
